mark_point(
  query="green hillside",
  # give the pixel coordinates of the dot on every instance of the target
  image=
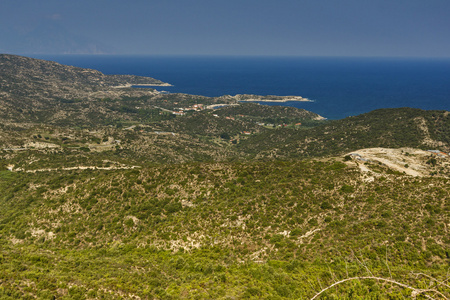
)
(273, 115)
(219, 230)
(390, 128)
(122, 193)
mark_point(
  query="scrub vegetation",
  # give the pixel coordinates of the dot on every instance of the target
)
(119, 198)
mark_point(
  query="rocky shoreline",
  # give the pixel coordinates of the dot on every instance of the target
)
(268, 98)
(129, 85)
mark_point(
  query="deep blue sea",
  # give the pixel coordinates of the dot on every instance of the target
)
(340, 87)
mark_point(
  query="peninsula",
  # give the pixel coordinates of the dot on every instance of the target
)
(129, 85)
(267, 98)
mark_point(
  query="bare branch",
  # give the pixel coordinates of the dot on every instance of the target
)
(362, 264)
(346, 267)
(390, 274)
(311, 285)
(432, 278)
(415, 291)
(332, 274)
(320, 284)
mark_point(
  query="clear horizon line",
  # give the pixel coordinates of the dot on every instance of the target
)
(230, 55)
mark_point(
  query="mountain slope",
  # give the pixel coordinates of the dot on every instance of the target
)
(390, 128)
(31, 86)
(23, 76)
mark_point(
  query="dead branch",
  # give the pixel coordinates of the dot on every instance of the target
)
(434, 279)
(414, 293)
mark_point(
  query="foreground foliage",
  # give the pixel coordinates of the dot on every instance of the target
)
(273, 230)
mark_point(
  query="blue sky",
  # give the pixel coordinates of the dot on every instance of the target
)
(406, 28)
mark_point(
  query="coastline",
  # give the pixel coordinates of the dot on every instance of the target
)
(281, 101)
(337, 95)
(140, 85)
(268, 98)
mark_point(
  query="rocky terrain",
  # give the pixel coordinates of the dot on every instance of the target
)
(409, 161)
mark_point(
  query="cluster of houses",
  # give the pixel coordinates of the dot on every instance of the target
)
(228, 118)
(182, 110)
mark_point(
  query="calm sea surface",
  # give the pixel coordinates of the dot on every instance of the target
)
(340, 87)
